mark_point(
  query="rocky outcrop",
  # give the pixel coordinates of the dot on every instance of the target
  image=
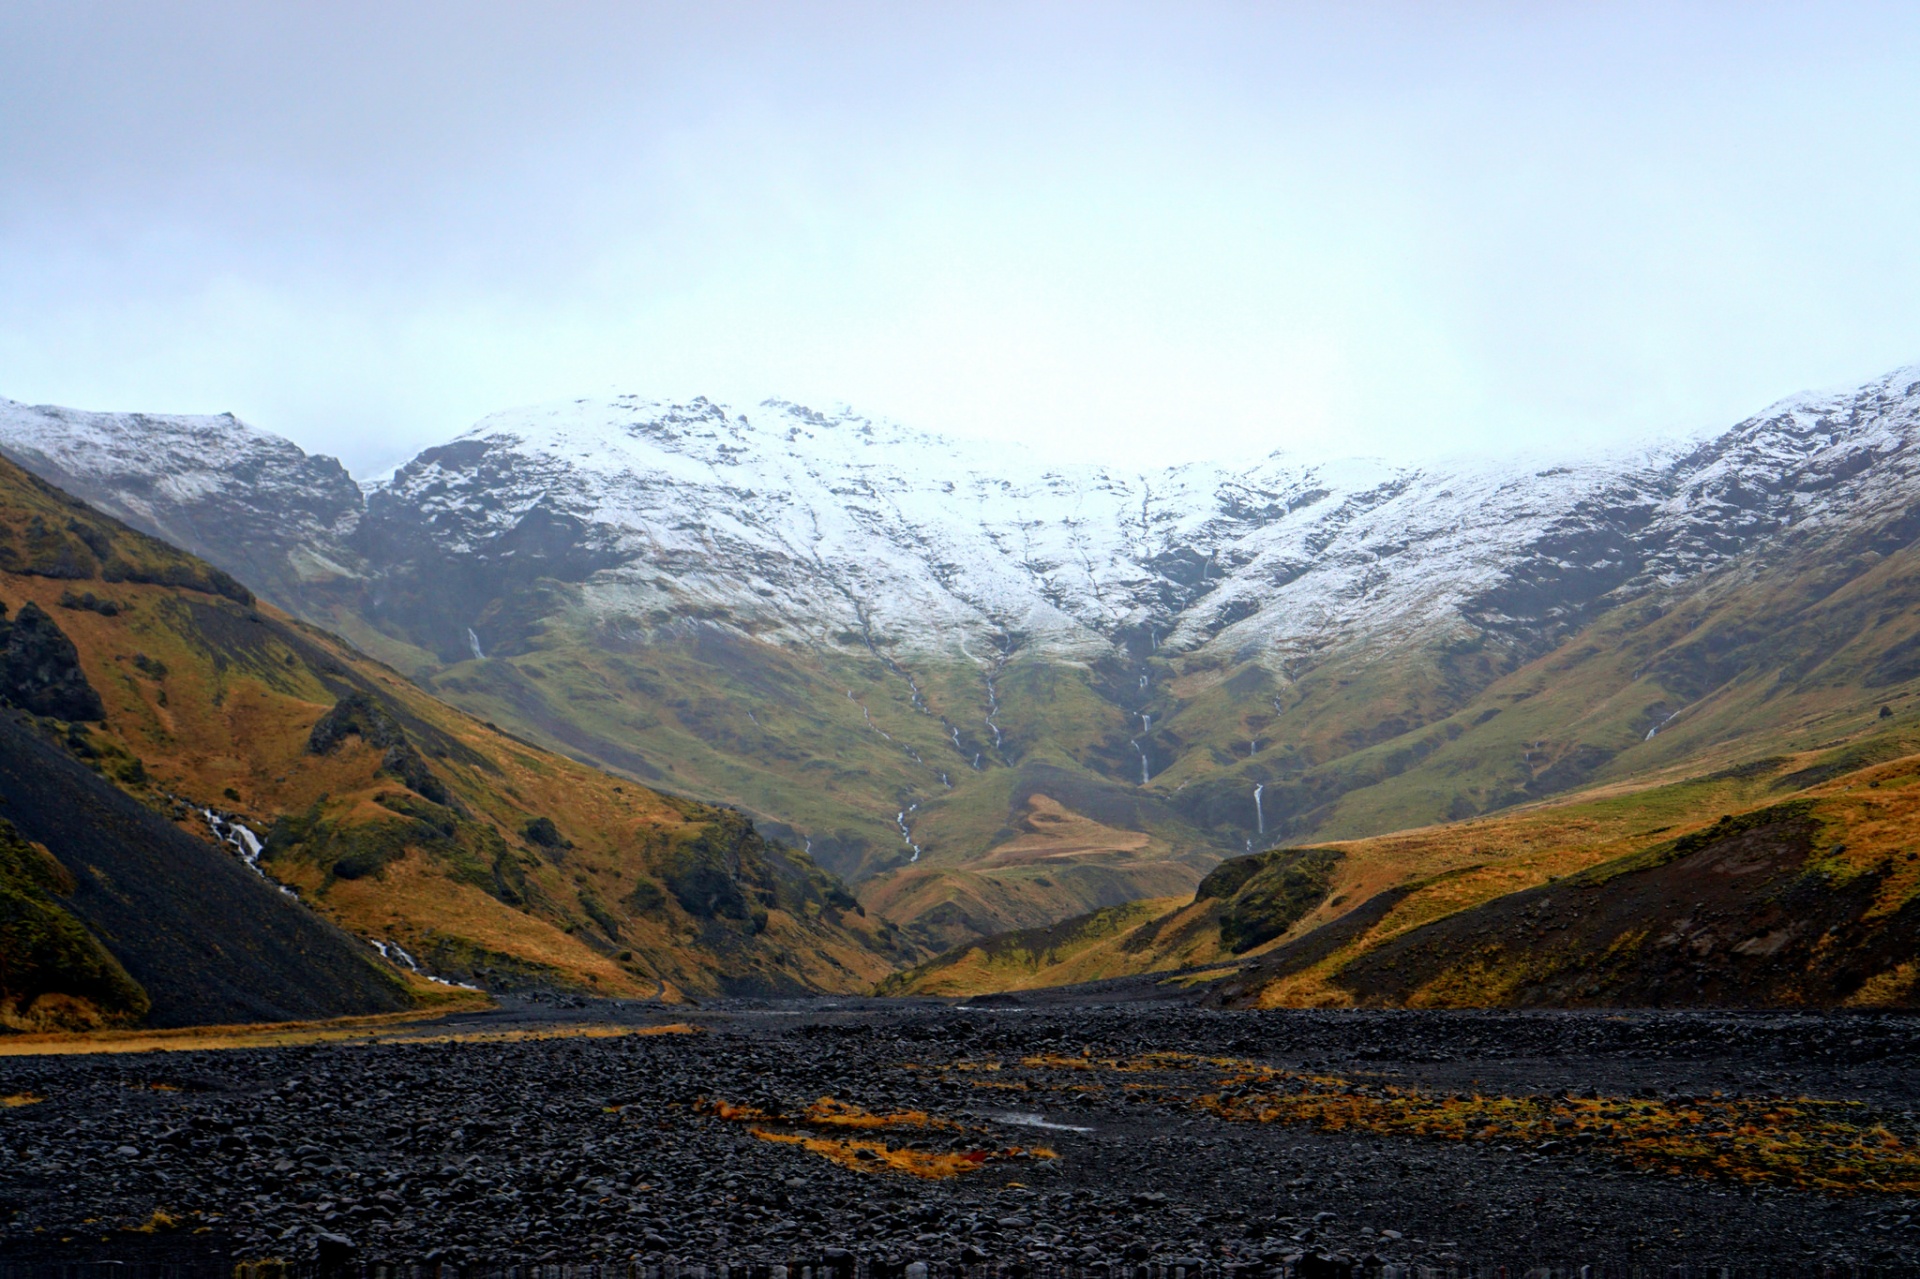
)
(40, 669)
(253, 503)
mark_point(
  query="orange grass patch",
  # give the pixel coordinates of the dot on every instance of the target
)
(867, 1154)
(1816, 1145)
(878, 1156)
(829, 1113)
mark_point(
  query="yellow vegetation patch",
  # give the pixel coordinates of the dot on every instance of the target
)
(197, 1038)
(14, 1100)
(1896, 986)
(866, 1154)
(878, 1156)
(829, 1113)
(1836, 1147)
(1831, 1146)
(549, 1032)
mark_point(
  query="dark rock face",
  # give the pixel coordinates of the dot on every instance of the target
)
(355, 715)
(721, 874)
(1278, 897)
(40, 669)
(461, 562)
(253, 503)
(542, 831)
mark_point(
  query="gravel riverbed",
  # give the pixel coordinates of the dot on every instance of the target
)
(1048, 1136)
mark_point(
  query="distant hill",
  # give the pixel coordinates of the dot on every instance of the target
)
(1791, 881)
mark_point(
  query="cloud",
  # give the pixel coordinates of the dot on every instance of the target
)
(1139, 232)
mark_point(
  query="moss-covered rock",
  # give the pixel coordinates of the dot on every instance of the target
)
(1277, 896)
(358, 715)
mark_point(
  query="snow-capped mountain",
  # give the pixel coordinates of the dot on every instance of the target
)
(801, 527)
(629, 523)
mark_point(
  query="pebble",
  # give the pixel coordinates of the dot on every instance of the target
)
(591, 1150)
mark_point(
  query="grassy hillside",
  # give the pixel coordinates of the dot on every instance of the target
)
(400, 819)
(1771, 655)
(838, 745)
(835, 751)
(1792, 879)
(1636, 625)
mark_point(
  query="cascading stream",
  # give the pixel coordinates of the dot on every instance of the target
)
(993, 711)
(245, 844)
(906, 831)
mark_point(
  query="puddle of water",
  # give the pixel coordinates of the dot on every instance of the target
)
(1024, 1120)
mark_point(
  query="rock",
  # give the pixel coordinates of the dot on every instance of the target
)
(1315, 1266)
(40, 668)
(333, 1251)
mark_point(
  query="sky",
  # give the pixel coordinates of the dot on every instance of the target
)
(1137, 233)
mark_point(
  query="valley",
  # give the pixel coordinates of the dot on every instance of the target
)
(1029, 714)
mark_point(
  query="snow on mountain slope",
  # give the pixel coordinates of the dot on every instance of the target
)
(251, 502)
(808, 528)
(803, 527)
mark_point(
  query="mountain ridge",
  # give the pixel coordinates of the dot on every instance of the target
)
(873, 655)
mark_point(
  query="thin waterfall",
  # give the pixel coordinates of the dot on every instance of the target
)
(1259, 812)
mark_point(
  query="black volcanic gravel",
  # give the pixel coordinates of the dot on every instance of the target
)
(590, 1149)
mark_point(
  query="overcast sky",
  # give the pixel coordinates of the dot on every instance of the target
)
(1136, 232)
